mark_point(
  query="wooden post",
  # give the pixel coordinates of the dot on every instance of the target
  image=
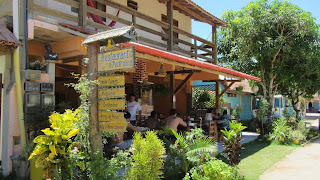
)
(134, 18)
(30, 8)
(217, 96)
(172, 87)
(214, 40)
(82, 13)
(94, 134)
(195, 48)
(170, 22)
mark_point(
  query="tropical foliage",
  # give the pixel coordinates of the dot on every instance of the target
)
(195, 147)
(53, 148)
(265, 39)
(147, 157)
(232, 143)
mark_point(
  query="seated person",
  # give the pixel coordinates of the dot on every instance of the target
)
(117, 140)
(153, 123)
(215, 114)
(173, 121)
(225, 120)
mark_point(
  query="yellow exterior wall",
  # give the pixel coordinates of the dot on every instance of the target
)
(154, 9)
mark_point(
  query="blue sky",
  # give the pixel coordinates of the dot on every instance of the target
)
(217, 7)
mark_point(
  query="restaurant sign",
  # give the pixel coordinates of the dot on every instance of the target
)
(116, 117)
(111, 93)
(123, 59)
(111, 80)
(111, 104)
(111, 127)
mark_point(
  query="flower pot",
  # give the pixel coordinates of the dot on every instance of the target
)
(310, 136)
(281, 139)
(296, 141)
(269, 139)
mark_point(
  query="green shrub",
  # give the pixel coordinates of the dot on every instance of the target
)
(280, 128)
(148, 157)
(214, 169)
(296, 135)
(232, 143)
(196, 148)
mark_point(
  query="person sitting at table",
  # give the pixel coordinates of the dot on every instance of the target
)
(173, 121)
(225, 120)
(117, 140)
(215, 114)
(153, 123)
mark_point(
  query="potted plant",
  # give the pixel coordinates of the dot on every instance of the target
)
(296, 136)
(280, 129)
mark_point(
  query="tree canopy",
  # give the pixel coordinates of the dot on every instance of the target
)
(267, 39)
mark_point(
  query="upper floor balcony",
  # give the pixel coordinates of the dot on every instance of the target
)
(165, 24)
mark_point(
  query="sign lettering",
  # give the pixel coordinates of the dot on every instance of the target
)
(122, 59)
(111, 104)
(116, 117)
(111, 80)
(112, 127)
(111, 93)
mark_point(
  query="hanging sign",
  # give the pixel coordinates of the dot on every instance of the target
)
(111, 80)
(111, 127)
(123, 59)
(111, 104)
(116, 117)
(111, 93)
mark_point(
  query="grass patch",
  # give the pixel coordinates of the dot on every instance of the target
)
(257, 157)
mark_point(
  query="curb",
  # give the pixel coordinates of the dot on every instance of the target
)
(310, 140)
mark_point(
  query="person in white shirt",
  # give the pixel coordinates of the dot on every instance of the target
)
(133, 106)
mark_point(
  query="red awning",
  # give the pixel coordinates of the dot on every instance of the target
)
(187, 60)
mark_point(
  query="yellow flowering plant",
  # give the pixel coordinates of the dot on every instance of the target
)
(53, 147)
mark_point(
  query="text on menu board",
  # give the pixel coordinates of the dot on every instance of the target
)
(111, 80)
(112, 127)
(111, 93)
(116, 117)
(123, 59)
(111, 104)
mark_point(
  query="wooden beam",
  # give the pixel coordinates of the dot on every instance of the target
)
(226, 88)
(221, 80)
(179, 72)
(214, 40)
(172, 85)
(170, 22)
(195, 15)
(82, 13)
(183, 83)
(217, 96)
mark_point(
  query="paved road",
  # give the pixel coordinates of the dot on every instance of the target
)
(302, 163)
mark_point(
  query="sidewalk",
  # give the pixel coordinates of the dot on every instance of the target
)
(302, 163)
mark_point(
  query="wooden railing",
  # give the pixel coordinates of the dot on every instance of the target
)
(194, 49)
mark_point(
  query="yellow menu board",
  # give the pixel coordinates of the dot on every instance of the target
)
(111, 93)
(111, 80)
(111, 104)
(116, 117)
(112, 127)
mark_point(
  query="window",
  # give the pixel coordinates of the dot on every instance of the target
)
(231, 95)
(255, 103)
(175, 24)
(74, 9)
(132, 4)
(97, 5)
(101, 7)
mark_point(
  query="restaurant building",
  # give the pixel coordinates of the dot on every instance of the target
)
(168, 57)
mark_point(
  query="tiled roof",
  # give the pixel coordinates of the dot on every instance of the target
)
(198, 10)
(7, 37)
